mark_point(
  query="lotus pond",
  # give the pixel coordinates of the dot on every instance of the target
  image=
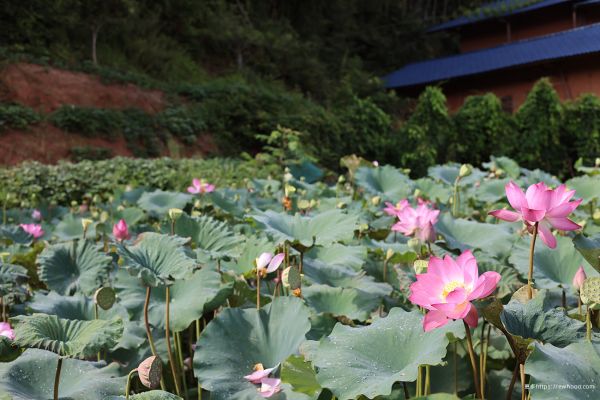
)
(468, 283)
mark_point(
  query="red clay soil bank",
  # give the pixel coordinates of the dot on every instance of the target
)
(46, 89)
(48, 144)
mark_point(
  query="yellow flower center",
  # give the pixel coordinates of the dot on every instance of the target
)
(450, 286)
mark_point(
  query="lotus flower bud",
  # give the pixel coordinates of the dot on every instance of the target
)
(389, 254)
(465, 170)
(121, 230)
(341, 179)
(417, 194)
(597, 163)
(150, 371)
(579, 278)
(36, 215)
(175, 213)
(414, 244)
(375, 200)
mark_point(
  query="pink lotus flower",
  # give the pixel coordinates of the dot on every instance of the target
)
(6, 330)
(257, 376)
(267, 262)
(394, 210)
(418, 222)
(579, 278)
(542, 205)
(200, 187)
(448, 288)
(269, 386)
(34, 230)
(121, 231)
(36, 215)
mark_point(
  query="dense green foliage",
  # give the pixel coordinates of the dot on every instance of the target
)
(32, 182)
(16, 116)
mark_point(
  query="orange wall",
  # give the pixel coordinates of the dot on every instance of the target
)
(570, 78)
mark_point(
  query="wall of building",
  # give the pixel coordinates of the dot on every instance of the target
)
(571, 78)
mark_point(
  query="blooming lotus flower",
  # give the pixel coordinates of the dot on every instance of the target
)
(200, 187)
(34, 230)
(269, 386)
(36, 215)
(448, 288)
(579, 278)
(120, 230)
(6, 330)
(540, 205)
(259, 374)
(417, 222)
(394, 210)
(267, 262)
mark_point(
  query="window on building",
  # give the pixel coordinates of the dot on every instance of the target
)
(507, 104)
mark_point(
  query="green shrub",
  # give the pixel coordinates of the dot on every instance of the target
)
(81, 153)
(484, 130)
(428, 136)
(32, 182)
(88, 121)
(581, 128)
(181, 122)
(17, 116)
(539, 122)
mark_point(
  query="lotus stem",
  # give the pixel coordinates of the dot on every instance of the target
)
(588, 324)
(128, 386)
(485, 354)
(406, 394)
(473, 364)
(178, 347)
(257, 289)
(531, 251)
(481, 346)
(579, 304)
(149, 332)
(197, 339)
(522, 369)
(385, 268)
(454, 356)
(168, 338)
(57, 377)
(455, 198)
(96, 317)
(419, 384)
(427, 380)
(512, 382)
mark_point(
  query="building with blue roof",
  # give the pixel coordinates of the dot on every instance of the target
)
(506, 46)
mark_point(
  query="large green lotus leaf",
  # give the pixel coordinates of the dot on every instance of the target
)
(509, 283)
(250, 249)
(131, 215)
(506, 164)
(79, 265)
(586, 187)
(67, 337)
(211, 238)
(321, 229)
(8, 350)
(190, 298)
(160, 202)
(230, 201)
(572, 366)
(300, 375)
(317, 272)
(15, 234)
(237, 339)
(433, 190)
(369, 360)
(387, 182)
(149, 395)
(31, 376)
(11, 276)
(589, 249)
(338, 254)
(73, 307)
(537, 320)
(157, 259)
(490, 191)
(551, 267)
(70, 228)
(462, 234)
(537, 175)
(448, 173)
(348, 302)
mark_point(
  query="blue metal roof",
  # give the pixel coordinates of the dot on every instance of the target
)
(501, 8)
(583, 40)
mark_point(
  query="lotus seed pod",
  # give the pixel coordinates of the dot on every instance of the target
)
(86, 222)
(175, 213)
(303, 204)
(375, 200)
(105, 297)
(420, 266)
(415, 245)
(297, 292)
(590, 291)
(150, 371)
(465, 170)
